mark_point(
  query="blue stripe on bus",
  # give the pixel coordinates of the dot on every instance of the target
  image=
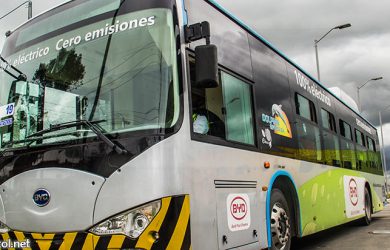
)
(254, 33)
(185, 16)
(268, 201)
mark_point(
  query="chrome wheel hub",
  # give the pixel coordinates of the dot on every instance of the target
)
(280, 227)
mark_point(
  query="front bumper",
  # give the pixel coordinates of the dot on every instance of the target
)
(172, 224)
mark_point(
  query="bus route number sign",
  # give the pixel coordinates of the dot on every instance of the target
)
(7, 110)
(238, 212)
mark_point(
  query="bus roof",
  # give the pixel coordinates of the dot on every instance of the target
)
(254, 33)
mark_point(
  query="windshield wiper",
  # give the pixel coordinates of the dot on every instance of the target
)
(20, 77)
(39, 135)
(61, 126)
(90, 124)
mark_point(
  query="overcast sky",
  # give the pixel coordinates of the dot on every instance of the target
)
(348, 57)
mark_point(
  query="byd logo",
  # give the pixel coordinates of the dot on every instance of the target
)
(353, 192)
(41, 197)
(238, 208)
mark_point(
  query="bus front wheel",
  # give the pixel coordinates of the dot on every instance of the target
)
(280, 221)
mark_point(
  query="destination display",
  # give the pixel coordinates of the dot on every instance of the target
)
(108, 29)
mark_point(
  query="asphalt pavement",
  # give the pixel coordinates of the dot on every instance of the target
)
(351, 236)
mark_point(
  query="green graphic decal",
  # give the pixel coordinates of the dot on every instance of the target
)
(322, 201)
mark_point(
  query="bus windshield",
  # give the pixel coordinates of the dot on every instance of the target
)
(110, 67)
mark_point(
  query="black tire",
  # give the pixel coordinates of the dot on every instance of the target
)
(281, 222)
(366, 220)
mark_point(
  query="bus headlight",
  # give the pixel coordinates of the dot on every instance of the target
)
(4, 228)
(131, 223)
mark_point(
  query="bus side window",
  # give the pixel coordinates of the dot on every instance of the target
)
(238, 105)
(348, 155)
(309, 139)
(361, 150)
(331, 140)
(226, 111)
(373, 156)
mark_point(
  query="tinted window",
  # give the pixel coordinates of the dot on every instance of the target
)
(309, 141)
(348, 156)
(345, 130)
(359, 138)
(225, 112)
(371, 144)
(361, 157)
(305, 108)
(328, 120)
(373, 157)
(331, 150)
(238, 106)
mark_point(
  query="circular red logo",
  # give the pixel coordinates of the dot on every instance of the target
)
(238, 208)
(353, 192)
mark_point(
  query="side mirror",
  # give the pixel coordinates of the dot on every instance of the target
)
(206, 66)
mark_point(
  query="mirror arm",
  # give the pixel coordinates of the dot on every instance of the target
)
(198, 31)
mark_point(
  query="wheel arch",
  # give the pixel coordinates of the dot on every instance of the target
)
(284, 181)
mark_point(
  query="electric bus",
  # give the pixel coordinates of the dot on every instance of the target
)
(171, 124)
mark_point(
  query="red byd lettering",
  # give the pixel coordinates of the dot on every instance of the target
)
(238, 208)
